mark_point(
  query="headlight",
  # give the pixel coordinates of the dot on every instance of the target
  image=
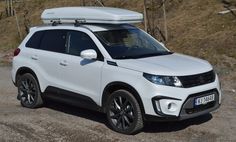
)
(163, 80)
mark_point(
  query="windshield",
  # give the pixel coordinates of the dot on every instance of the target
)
(130, 44)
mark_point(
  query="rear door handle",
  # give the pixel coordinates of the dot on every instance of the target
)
(34, 57)
(63, 63)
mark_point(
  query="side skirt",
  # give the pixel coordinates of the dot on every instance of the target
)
(71, 98)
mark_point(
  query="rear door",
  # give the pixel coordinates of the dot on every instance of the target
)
(52, 46)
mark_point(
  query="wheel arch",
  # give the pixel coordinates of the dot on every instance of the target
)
(23, 70)
(113, 86)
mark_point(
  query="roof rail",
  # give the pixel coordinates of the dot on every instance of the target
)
(79, 21)
(55, 23)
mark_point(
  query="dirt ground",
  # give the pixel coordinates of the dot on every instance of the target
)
(58, 122)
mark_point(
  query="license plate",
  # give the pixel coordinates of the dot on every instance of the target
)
(204, 100)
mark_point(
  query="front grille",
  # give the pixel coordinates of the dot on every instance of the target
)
(189, 107)
(198, 79)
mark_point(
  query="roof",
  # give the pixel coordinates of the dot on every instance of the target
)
(105, 27)
(104, 15)
(91, 27)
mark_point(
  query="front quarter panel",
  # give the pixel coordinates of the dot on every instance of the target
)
(133, 78)
(148, 90)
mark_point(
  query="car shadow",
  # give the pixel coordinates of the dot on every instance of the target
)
(76, 111)
(155, 127)
(150, 127)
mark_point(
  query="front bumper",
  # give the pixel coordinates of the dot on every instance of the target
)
(188, 109)
(181, 98)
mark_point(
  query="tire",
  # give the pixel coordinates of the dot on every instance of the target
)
(29, 91)
(123, 112)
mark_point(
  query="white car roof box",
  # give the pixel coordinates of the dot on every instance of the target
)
(105, 15)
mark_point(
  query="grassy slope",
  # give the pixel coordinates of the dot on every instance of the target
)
(197, 29)
(9, 37)
(194, 26)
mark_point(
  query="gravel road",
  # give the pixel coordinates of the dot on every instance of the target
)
(58, 122)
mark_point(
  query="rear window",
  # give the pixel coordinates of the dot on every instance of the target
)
(54, 40)
(34, 41)
(62, 41)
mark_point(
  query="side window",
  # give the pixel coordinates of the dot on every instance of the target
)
(34, 41)
(54, 40)
(79, 41)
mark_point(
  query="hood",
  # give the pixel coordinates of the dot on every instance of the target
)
(171, 65)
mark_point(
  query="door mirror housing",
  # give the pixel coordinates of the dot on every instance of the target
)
(89, 54)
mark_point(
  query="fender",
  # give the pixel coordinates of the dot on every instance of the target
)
(23, 70)
(113, 86)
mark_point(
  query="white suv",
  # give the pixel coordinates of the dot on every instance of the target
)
(117, 69)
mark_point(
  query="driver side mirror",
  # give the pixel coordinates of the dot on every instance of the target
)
(89, 54)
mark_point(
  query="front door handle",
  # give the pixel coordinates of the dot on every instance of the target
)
(63, 63)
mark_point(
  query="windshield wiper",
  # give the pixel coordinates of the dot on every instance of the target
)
(155, 54)
(143, 55)
(124, 57)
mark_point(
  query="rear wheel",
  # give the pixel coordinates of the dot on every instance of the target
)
(28, 91)
(124, 113)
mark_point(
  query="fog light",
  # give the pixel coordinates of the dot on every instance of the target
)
(171, 106)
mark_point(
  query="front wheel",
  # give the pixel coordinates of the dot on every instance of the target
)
(124, 113)
(28, 91)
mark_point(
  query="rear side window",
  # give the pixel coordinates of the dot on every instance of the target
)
(34, 41)
(54, 40)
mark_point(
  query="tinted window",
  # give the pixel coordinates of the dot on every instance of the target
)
(79, 41)
(130, 43)
(54, 40)
(34, 41)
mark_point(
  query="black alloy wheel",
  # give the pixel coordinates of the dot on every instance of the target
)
(123, 112)
(29, 92)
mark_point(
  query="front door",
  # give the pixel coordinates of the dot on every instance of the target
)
(80, 75)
